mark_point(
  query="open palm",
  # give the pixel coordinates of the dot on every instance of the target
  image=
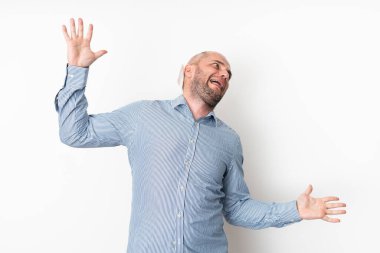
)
(79, 52)
(318, 208)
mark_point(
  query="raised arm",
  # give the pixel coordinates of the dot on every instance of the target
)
(76, 127)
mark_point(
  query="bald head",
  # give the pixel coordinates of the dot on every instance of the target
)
(206, 78)
(200, 56)
(196, 58)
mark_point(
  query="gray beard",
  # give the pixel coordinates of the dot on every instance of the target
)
(202, 90)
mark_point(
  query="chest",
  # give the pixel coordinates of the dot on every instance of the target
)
(170, 144)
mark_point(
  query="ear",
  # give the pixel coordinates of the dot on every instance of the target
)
(189, 70)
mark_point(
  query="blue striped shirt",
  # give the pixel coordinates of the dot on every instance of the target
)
(186, 174)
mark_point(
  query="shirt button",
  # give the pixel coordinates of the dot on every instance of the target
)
(191, 140)
(174, 244)
(182, 188)
(179, 214)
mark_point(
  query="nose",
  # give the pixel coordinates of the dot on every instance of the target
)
(224, 74)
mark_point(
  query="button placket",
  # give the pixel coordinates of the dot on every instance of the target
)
(184, 174)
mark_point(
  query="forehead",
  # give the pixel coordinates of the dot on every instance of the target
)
(211, 57)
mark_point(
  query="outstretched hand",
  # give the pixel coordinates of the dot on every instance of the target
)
(79, 52)
(318, 208)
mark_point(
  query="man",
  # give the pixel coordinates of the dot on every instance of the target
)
(186, 163)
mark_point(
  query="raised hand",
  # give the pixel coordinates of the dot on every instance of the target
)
(79, 52)
(318, 208)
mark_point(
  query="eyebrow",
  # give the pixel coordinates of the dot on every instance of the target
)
(229, 71)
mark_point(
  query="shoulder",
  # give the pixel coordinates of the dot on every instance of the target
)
(235, 145)
(228, 130)
(231, 136)
(141, 106)
(135, 106)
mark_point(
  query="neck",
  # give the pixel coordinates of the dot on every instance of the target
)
(197, 106)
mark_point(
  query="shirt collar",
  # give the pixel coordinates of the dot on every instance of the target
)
(180, 100)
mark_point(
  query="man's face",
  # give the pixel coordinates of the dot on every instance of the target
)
(211, 78)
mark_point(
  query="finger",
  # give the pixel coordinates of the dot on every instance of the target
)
(334, 212)
(65, 34)
(334, 205)
(72, 28)
(80, 28)
(100, 53)
(309, 189)
(330, 198)
(328, 219)
(89, 32)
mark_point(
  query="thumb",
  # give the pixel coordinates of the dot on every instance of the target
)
(100, 53)
(309, 189)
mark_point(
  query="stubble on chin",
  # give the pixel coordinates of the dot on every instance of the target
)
(201, 89)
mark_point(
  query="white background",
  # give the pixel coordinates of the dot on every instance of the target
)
(304, 98)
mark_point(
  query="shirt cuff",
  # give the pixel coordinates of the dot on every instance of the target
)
(76, 77)
(288, 213)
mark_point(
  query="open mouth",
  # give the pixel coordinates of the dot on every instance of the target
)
(217, 84)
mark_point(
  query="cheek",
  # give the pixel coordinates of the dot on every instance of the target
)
(225, 90)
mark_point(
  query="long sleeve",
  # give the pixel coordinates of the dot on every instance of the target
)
(241, 210)
(78, 129)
